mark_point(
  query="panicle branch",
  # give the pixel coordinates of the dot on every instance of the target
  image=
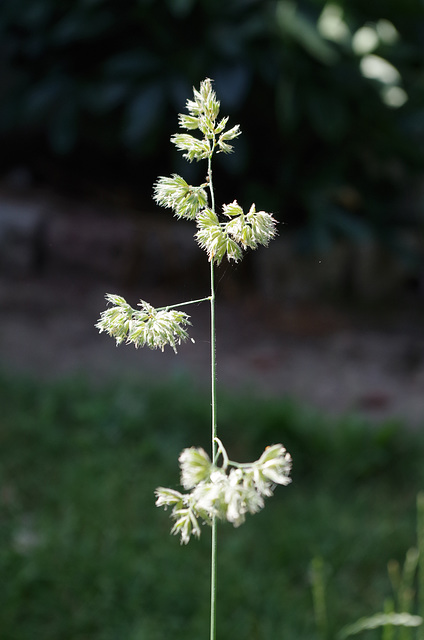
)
(218, 236)
(230, 491)
(227, 492)
(242, 231)
(154, 328)
(185, 200)
(203, 113)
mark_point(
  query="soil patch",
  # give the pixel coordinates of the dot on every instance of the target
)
(318, 355)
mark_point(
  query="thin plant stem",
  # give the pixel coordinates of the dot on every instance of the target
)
(213, 580)
(210, 183)
(214, 541)
(182, 304)
(420, 545)
(213, 331)
(213, 369)
(148, 328)
(214, 455)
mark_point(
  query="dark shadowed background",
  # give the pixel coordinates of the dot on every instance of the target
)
(329, 97)
(326, 325)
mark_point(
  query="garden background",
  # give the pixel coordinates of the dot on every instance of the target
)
(320, 340)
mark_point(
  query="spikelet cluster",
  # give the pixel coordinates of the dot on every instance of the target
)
(232, 231)
(227, 492)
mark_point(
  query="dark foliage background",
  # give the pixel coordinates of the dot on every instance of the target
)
(90, 90)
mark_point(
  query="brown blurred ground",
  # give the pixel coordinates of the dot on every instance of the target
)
(52, 290)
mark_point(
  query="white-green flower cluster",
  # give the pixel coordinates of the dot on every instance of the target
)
(226, 492)
(203, 115)
(237, 231)
(154, 328)
(174, 193)
(228, 238)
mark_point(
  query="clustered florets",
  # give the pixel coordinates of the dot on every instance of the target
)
(218, 238)
(229, 491)
(154, 328)
(227, 234)
(226, 492)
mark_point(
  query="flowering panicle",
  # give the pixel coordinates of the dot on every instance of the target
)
(154, 328)
(231, 490)
(217, 237)
(203, 114)
(214, 238)
(185, 200)
(227, 492)
(242, 231)
(193, 148)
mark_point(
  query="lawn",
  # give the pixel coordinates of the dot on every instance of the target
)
(86, 555)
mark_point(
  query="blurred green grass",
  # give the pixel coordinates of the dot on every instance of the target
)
(85, 554)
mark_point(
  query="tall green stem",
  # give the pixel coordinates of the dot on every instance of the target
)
(420, 545)
(214, 425)
(213, 332)
(213, 368)
(213, 581)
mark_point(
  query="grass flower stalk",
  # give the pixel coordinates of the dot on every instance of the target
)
(216, 488)
(420, 545)
(214, 434)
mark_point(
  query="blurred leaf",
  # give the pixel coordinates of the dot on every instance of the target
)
(232, 84)
(179, 88)
(131, 63)
(143, 113)
(38, 101)
(42, 97)
(105, 97)
(78, 24)
(63, 128)
(314, 238)
(287, 105)
(32, 14)
(226, 40)
(91, 3)
(328, 114)
(180, 8)
(304, 32)
(380, 620)
(413, 122)
(350, 226)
